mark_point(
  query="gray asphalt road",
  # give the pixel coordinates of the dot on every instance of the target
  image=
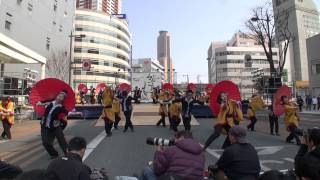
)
(127, 153)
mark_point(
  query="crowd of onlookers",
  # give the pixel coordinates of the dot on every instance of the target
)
(309, 103)
(185, 160)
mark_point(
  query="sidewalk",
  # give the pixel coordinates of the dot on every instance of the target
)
(313, 112)
(24, 128)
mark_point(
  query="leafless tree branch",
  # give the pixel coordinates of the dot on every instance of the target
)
(58, 66)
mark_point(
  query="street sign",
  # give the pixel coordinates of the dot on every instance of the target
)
(86, 65)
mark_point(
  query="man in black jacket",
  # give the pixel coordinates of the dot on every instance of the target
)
(239, 161)
(126, 104)
(70, 167)
(8, 171)
(307, 161)
(187, 106)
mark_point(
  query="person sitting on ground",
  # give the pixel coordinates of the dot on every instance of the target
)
(185, 159)
(276, 175)
(70, 166)
(307, 161)
(239, 161)
(9, 171)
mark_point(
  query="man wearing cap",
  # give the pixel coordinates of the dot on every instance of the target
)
(239, 161)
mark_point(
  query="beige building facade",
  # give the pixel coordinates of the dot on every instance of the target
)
(164, 56)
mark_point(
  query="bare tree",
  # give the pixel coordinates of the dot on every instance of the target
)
(58, 66)
(269, 28)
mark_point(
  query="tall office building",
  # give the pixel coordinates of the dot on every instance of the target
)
(106, 6)
(303, 23)
(226, 62)
(163, 55)
(105, 44)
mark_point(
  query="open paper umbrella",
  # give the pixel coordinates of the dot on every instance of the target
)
(228, 87)
(168, 86)
(100, 87)
(125, 87)
(192, 87)
(47, 90)
(82, 87)
(278, 108)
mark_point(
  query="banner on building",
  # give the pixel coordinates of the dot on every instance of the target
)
(86, 65)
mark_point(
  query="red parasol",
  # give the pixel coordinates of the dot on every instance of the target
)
(228, 87)
(125, 87)
(191, 87)
(100, 87)
(168, 86)
(278, 108)
(209, 88)
(47, 90)
(82, 87)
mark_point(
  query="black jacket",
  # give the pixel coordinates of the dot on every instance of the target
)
(9, 171)
(306, 159)
(187, 107)
(240, 162)
(69, 167)
(128, 103)
(54, 116)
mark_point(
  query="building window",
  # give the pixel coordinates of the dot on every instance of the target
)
(7, 25)
(315, 69)
(60, 28)
(19, 2)
(48, 43)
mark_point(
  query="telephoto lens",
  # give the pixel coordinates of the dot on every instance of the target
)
(155, 141)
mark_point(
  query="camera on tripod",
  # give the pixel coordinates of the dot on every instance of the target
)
(155, 141)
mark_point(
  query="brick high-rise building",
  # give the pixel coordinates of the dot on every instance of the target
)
(107, 6)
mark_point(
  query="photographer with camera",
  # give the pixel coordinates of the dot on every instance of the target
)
(184, 159)
(307, 161)
(239, 161)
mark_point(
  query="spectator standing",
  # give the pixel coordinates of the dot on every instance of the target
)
(239, 161)
(126, 103)
(70, 166)
(314, 102)
(185, 159)
(300, 103)
(308, 102)
(274, 123)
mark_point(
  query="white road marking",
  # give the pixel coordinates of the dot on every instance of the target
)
(93, 144)
(265, 168)
(3, 141)
(268, 150)
(289, 159)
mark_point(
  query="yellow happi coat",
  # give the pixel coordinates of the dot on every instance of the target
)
(78, 99)
(163, 109)
(9, 114)
(291, 117)
(255, 104)
(107, 101)
(175, 109)
(116, 105)
(229, 113)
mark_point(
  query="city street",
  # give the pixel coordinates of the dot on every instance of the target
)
(127, 153)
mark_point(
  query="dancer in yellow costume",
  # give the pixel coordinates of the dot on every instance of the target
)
(7, 117)
(229, 113)
(175, 110)
(164, 100)
(107, 113)
(116, 110)
(256, 103)
(291, 120)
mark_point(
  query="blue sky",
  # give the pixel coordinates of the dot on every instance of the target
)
(192, 24)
